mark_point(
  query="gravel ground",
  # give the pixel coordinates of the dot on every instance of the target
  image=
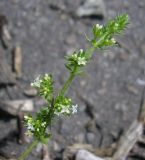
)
(110, 84)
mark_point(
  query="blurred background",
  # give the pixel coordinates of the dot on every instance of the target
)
(35, 35)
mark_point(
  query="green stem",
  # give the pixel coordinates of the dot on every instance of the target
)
(89, 52)
(28, 150)
(67, 83)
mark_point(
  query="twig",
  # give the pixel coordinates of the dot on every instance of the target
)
(128, 140)
(45, 152)
(141, 116)
(21, 128)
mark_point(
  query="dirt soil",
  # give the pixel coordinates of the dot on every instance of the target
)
(112, 83)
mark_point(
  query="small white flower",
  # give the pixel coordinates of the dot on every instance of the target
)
(43, 124)
(65, 109)
(99, 26)
(81, 61)
(26, 117)
(30, 127)
(81, 51)
(113, 40)
(74, 108)
(74, 55)
(36, 82)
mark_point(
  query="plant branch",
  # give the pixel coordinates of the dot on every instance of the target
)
(28, 150)
(67, 84)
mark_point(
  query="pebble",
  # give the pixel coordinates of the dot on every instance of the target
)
(132, 89)
(86, 155)
(30, 92)
(92, 8)
(13, 107)
(140, 82)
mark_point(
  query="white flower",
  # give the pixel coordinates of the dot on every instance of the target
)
(74, 56)
(99, 26)
(36, 82)
(81, 51)
(113, 40)
(26, 117)
(30, 127)
(43, 124)
(65, 109)
(74, 109)
(81, 61)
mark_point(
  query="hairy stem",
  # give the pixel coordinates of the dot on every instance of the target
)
(28, 150)
(68, 82)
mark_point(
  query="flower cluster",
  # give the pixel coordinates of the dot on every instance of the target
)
(36, 82)
(64, 105)
(60, 105)
(29, 124)
(77, 59)
(44, 85)
(37, 126)
(103, 35)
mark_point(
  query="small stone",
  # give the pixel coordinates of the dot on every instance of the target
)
(92, 8)
(132, 89)
(83, 83)
(30, 92)
(140, 82)
(13, 107)
(86, 155)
